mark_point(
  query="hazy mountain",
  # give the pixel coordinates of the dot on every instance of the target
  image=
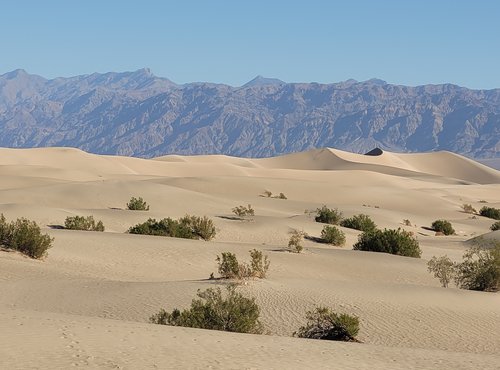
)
(137, 113)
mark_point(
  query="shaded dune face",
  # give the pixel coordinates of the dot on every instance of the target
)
(88, 303)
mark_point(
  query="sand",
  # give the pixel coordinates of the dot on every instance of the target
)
(88, 303)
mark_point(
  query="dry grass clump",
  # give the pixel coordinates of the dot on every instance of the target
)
(295, 242)
(242, 211)
(323, 323)
(230, 268)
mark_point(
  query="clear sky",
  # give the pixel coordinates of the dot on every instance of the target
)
(409, 42)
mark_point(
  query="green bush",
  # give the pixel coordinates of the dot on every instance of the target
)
(333, 235)
(322, 323)
(83, 223)
(328, 216)
(495, 226)
(295, 242)
(443, 226)
(359, 222)
(480, 269)
(398, 242)
(137, 204)
(212, 310)
(24, 236)
(490, 212)
(443, 269)
(188, 227)
(243, 211)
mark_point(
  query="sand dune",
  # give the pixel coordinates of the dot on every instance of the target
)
(87, 304)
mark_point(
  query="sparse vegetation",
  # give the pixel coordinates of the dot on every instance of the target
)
(228, 265)
(295, 242)
(187, 227)
(214, 310)
(495, 226)
(83, 223)
(480, 269)
(24, 236)
(467, 208)
(322, 323)
(359, 222)
(399, 242)
(259, 264)
(230, 268)
(268, 194)
(328, 216)
(490, 212)
(442, 268)
(443, 226)
(407, 222)
(137, 204)
(243, 211)
(333, 235)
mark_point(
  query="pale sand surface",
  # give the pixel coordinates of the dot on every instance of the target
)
(87, 304)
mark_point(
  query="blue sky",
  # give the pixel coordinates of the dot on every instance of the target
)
(409, 42)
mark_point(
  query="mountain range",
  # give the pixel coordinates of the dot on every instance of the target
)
(140, 114)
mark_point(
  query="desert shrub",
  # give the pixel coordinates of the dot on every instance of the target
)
(490, 212)
(83, 223)
(243, 211)
(322, 323)
(24, 236)
(203, 227)
(443, 226)
(295, 242)
(407, 222)
(188, 227)
(228, 265)
(332, 235)
(328, 216)
(442, 268)
(267, 194)
(230, 268)
(213, 310)
(399, 242)
(480, 269)
(137, 204)
(281, 196)
(495, 226)
(467, 208)
(359, 222)
(259, 264)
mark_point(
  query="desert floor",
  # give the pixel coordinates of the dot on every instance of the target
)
(88, 303)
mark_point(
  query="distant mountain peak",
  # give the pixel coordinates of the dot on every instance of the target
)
(16, 74)
(376, 81)
(144, 72)
(261, 80)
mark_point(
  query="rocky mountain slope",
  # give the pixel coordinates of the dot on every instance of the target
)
(139, 114)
